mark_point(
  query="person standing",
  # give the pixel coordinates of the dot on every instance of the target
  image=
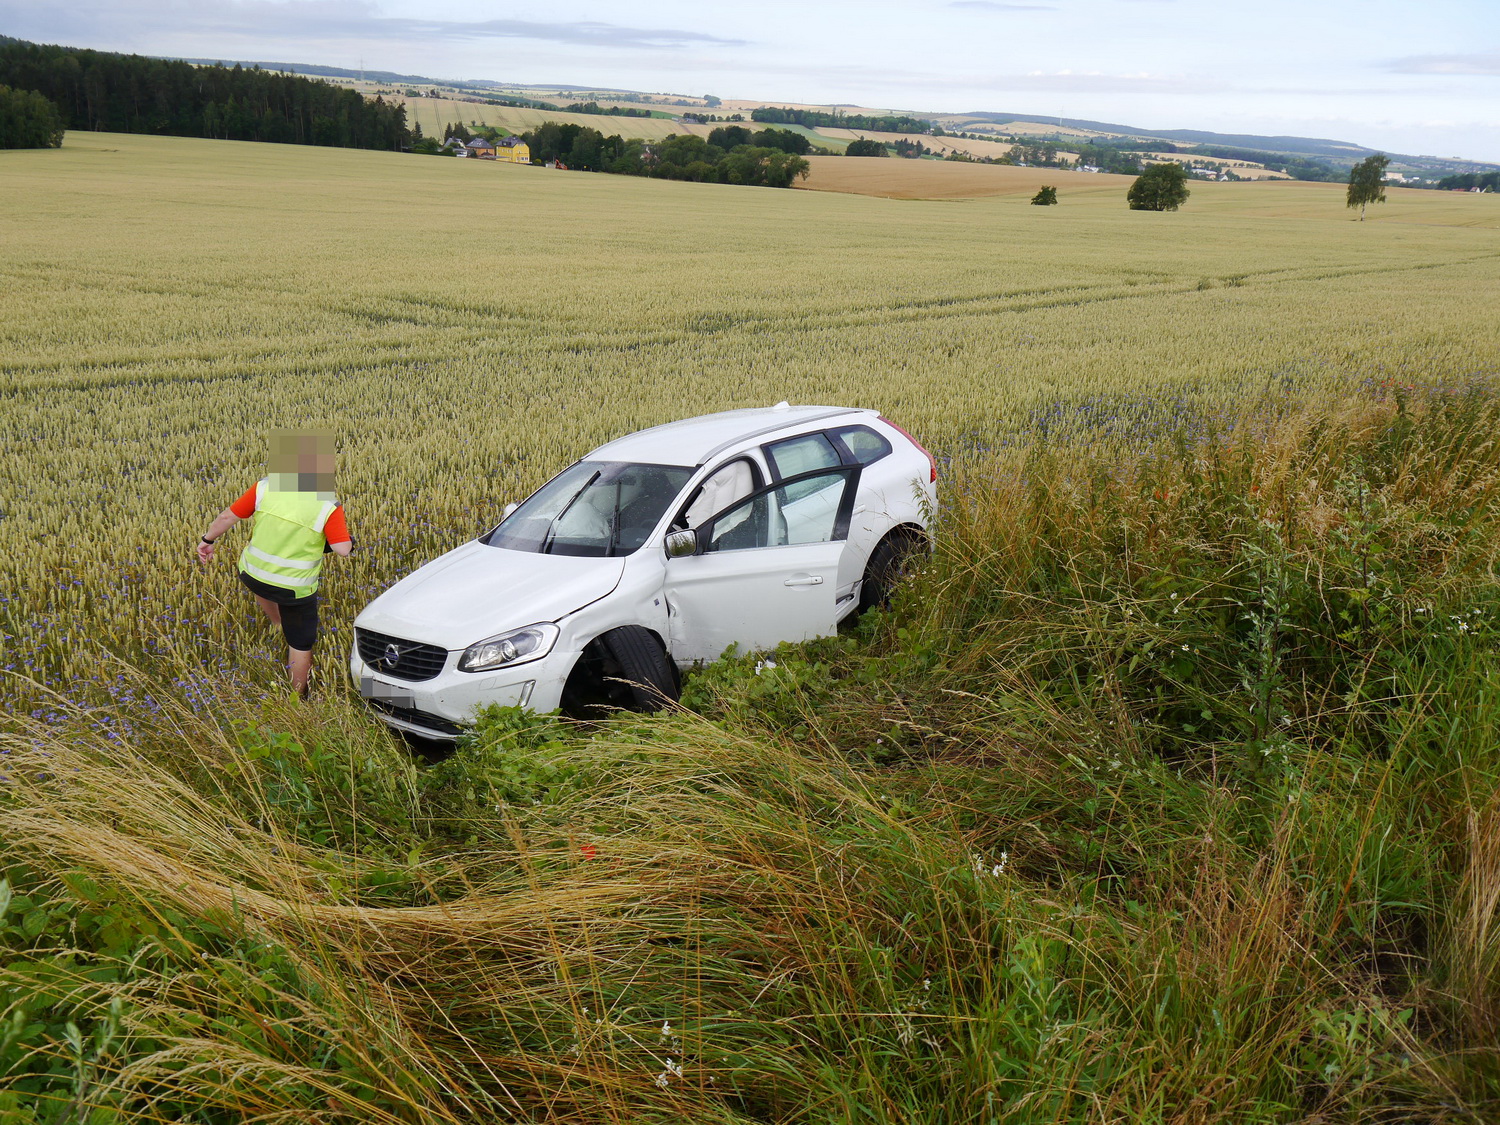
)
(298, 520)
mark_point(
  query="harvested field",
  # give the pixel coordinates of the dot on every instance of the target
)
(936, 144)
(432, 114)
(943, 179)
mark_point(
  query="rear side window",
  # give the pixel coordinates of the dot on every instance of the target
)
(798, 455)
(862, 444)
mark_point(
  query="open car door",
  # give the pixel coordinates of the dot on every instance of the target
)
(766, 568)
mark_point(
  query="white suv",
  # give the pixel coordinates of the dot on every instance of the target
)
(657, 550)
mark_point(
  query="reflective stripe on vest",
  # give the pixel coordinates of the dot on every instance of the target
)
(286, 545)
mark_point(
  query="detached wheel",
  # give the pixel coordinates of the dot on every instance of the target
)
(890, 562)
(625, 669)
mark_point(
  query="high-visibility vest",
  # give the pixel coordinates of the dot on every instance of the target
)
(286, 542)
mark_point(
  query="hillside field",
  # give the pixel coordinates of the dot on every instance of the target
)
(432, 114)
(1166, 795)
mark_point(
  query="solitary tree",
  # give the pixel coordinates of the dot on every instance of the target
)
(1367, 183)
(865, 147)
(1047, 197)
(1161, 187)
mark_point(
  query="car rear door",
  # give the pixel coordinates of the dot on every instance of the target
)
(766, 570)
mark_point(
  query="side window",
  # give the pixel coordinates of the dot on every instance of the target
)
(799, 455)
(811, 508)
(720, 489)
(863, 444)
(804, 454)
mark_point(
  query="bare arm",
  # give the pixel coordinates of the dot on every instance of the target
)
(222, 523)
(342, 549)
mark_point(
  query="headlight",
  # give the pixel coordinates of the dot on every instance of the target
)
(516, 647)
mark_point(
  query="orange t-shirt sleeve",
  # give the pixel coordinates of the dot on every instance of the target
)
(244, 507)
(336, 530)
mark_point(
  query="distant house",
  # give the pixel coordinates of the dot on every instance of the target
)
(481, 148)
(513, 150)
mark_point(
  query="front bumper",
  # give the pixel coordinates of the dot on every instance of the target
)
(443, 706)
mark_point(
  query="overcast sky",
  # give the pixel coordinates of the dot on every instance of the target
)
(1400, 76)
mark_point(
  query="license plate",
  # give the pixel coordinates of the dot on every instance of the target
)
(371, 688)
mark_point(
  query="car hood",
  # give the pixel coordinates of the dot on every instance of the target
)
(476, 591)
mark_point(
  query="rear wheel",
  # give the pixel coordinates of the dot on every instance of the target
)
(625, 669)
(889, 562)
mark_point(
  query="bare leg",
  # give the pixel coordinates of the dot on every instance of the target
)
(270, 609)
(299, 664)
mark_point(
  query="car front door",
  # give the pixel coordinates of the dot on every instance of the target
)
(766, 568)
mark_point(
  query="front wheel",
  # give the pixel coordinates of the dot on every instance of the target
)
(625, 669)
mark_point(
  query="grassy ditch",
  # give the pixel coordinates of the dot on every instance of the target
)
(1166, 792)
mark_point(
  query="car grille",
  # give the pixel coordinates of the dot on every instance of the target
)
(415, 661)
(417, 718)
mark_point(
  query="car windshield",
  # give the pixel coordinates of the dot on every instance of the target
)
(593, 508)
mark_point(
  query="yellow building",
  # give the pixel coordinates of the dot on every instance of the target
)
(513, 150)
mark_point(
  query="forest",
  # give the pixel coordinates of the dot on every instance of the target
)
(732, 155)
(816, 118)
(103, 91)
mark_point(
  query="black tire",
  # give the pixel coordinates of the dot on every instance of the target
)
(625, 669)
(889, 563)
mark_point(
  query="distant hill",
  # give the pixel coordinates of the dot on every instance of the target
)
(1307, 157)
(1303, 146)
(316, 71)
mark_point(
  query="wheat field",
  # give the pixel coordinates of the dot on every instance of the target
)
(1164, 794)
(468, 328)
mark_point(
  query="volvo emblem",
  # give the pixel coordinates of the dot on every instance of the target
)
(392, 656)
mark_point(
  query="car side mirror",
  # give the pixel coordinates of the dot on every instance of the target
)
(508, 509)
(681, 543)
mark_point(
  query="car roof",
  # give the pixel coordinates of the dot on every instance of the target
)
(692, 441)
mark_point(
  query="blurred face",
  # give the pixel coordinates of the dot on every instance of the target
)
(301, 461)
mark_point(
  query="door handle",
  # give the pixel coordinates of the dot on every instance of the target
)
(814, 580)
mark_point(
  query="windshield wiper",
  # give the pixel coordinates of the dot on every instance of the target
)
(568, 507)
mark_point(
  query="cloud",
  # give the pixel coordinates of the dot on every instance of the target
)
(1486, 64)
(265, 20)
(990, 6)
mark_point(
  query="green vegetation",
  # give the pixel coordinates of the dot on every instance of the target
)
(768, 162)
(1367, 183)
(813, 118)
(865, 147)
(28, 120)
(1167, 783)
(1485, 181)
(605, 110)
(1046, 197)
(730, 137)
(100, 90)
(1166, 792)
(1161, 187)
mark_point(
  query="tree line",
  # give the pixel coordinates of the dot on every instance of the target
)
(606, 110)
(813, 118)
(108, 92)
(1464, 181)
(769, 158)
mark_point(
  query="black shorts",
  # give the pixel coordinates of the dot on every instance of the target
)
(299, 616)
